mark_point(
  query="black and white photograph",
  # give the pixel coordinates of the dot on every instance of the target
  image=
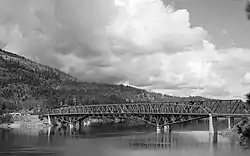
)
(124, 77)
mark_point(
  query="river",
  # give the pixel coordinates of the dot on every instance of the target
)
(190, 139)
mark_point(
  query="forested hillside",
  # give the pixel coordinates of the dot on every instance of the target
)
(25, 84)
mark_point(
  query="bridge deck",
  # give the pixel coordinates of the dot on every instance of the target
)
(146, 113)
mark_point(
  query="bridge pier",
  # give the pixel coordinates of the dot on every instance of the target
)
(167, 128)
(213, 124)
(158, 129)
(230, 121)
(71, 124)
(49, 120)
(86, 123)
(78, 124)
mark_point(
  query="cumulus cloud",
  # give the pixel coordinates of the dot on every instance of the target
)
(144, 43)
(246, 79)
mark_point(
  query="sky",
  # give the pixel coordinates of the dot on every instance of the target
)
(175, 47)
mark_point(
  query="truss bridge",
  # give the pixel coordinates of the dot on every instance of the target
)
(159, 114)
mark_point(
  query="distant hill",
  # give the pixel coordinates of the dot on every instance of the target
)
(25, 84)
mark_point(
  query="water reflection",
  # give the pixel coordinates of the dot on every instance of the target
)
(172, 141)
(116, 140)
(151, 140)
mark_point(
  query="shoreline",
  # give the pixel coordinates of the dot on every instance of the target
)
(240, 130)
(30, 121)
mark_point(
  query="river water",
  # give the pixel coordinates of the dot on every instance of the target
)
(190, 139)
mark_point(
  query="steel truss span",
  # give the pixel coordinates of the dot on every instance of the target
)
(156, 113)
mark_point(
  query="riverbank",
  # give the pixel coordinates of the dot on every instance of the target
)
(27, 121)
(241, 130)
(238, 129)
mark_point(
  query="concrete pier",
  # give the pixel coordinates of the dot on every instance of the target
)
(167, 128)
(49, 120)
(158, 130)
(71, 126)
(213, 124)
(230, 121)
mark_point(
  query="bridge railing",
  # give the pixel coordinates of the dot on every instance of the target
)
(141, 108)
